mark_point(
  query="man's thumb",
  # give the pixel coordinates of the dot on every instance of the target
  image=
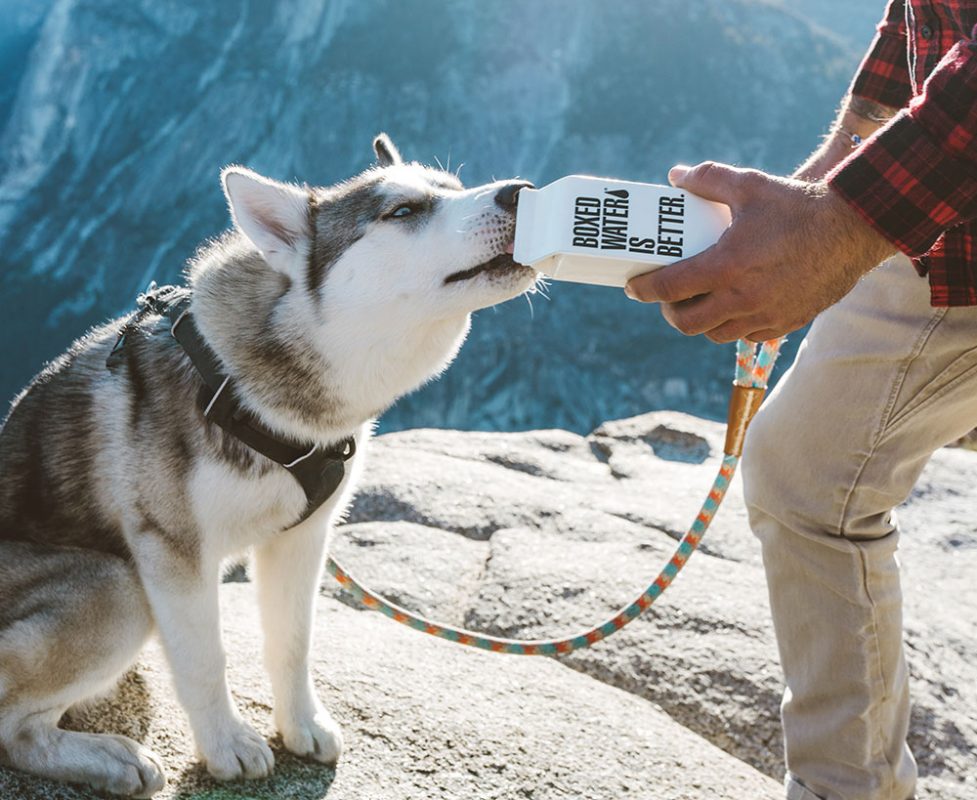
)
(710, 180)
(677, 174)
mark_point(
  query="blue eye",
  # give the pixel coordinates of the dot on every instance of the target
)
(402, 211)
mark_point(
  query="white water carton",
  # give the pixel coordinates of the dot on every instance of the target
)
(604, 231)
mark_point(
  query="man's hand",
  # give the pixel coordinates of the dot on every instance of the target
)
(792, 250)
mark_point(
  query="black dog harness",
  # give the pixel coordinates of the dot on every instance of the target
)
(319, 471)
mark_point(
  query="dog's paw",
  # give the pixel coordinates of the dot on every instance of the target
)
(237, 752)
(120, 766)
(318, 736)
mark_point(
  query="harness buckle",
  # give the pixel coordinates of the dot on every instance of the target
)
(158, 299)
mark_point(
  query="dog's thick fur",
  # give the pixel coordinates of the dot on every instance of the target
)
(119, 503)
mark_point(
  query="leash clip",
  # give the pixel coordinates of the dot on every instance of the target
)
(744, 402)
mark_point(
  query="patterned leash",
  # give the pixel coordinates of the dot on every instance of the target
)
(752, 373)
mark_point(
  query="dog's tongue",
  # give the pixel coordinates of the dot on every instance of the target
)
(509, 248)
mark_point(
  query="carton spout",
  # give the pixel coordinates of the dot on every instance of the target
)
(525, 244)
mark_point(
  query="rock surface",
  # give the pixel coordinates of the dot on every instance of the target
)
(576, 526)
(425, 720)
(536, 534)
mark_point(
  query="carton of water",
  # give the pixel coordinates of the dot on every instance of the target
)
(604, 231)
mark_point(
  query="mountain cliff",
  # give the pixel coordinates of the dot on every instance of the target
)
(117, 116)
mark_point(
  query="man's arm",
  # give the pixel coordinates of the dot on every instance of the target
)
(859, 117)
(880, 87)
(917, 177)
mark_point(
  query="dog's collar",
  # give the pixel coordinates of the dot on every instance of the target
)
(319, 471)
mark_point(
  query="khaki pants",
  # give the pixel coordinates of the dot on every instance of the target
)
(881, 381)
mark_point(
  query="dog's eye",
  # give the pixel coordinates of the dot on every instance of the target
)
(404, 210)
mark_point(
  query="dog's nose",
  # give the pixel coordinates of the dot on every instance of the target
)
(508, 195)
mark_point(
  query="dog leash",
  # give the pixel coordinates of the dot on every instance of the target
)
(752, 374)
(753, 369)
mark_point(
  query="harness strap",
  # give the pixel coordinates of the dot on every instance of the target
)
(319, 471)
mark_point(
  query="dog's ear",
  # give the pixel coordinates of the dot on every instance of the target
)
(387, 153)
(274, 216)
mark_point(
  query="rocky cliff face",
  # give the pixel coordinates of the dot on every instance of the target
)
(538, 534)
(117, 116)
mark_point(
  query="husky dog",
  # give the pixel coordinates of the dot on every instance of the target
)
(119, 500)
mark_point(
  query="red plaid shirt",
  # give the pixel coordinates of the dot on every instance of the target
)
(915, 180)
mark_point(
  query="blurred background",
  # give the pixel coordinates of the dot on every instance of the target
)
(117, 115)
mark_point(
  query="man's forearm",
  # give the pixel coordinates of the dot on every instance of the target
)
(856, 116)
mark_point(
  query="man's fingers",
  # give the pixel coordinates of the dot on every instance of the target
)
(676, 282)
(719, 182)
(696, 316)
(731, 331)
(742, 329)
(766, 335)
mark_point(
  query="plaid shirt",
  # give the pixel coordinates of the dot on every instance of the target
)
(915, 180)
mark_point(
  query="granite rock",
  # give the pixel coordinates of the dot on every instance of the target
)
(538, 534)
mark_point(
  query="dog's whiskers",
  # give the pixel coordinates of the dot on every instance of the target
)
(541, 287)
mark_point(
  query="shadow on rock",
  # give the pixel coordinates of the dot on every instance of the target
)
(128, 711)
(294, 778)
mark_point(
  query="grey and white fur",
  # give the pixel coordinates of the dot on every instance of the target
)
(119, 502)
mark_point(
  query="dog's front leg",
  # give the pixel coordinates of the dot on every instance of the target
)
(288, 571)
(184, 599)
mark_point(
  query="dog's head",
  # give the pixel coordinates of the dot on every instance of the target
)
(400, 238)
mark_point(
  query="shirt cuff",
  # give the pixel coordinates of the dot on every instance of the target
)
(906, 186)
(883, 76)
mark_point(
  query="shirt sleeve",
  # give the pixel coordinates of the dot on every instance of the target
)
(917, 176)
(883, 75)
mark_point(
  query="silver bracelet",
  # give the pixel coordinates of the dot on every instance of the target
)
(854, 138)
